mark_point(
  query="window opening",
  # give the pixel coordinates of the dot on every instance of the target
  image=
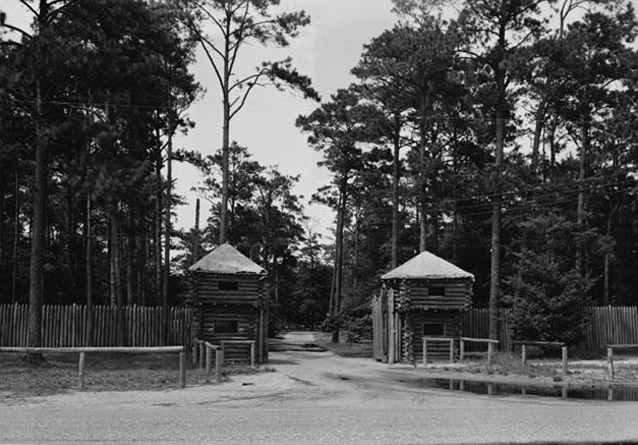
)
(436, 291)
(433, 329)
(226, 326)
(228, 285)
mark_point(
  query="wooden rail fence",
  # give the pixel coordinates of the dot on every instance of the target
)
(65, 326)
(604, 325)
(129, 350)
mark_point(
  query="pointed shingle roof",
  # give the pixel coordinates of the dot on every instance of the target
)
(426, 265)
(227, 260)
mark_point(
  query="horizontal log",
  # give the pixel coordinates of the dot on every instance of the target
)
(238, 342)
(539, 343)
(442, 339)
(480, 340)
(125, 349)
(622, 346)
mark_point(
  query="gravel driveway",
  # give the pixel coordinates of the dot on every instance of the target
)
(313, 397)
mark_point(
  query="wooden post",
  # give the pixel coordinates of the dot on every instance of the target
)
(490, 350)
(391, 328)
(81, 369)
(201, 355)
(451, 350)
(182, 370)
(610, 362)
(523, 355)
(564, 391)
(195, 351)
(252, 354)
(209, 365)
(219, 358)
(425, 352)
(564, 350)
(461, 349)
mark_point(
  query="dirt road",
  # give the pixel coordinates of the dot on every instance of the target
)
(313, 397)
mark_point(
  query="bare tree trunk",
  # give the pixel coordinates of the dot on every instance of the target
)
(2, 199)
(196, 235)
(497, 202)
(16, 236)
(112, 278)
(223, 218)
(167, 238)
(38, 233)
(140, 262)
(394, 263)
(580, 212)
(130, 258)
(116, 279)
(158, 230)
(539, 122)
(608, 257)
(89, 273)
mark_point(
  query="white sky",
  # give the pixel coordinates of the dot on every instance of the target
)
(326, 50)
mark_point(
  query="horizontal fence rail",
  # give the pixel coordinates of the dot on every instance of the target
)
(604, 325)
(66, 326)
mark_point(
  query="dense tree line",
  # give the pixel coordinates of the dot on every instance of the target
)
(503, 139)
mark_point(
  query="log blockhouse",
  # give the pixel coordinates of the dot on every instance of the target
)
(229, 302)
(425, 297)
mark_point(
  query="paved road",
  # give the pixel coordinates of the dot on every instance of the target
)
(314, 398)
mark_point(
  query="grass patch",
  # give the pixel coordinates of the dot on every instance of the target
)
(359, 350)
(103, 372)
(509, 364)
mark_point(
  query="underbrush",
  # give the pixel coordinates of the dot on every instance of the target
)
(103, 372)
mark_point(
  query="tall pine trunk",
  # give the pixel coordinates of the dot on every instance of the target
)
(38, 233)
(394, 262)
(580, 211)
(16, 237)
(167, 237)
(116, 279)
(89, 273)
(130, 258)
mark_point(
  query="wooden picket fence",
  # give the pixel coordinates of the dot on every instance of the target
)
(65, 326)
(605, 325)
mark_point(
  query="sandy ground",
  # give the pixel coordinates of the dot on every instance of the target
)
(314, 397)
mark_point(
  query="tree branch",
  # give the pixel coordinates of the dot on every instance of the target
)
(248, 90)
(16, 29)
(212, 62)
(29, 7)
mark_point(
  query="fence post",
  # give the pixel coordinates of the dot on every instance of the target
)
(490, 349)
(201, 354)
(564, 350)
(461, 349)
(195, 350)
(523, 355)
(252, 354)
(81, 369)
(219, 358)
(425, 352)
(610, 362)
(451, 350)
(209, 359)
(182, 370)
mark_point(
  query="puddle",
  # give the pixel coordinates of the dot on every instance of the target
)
(559, 391)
